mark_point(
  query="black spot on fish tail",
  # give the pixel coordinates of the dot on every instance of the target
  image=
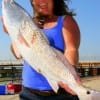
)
(88, 92)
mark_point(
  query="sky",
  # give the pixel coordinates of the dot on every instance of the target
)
(88, 19)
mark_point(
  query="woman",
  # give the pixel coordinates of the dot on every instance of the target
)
(56, 21)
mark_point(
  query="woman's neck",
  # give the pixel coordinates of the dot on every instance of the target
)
(42, 21)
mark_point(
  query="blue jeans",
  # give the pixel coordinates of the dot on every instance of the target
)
(26, 95)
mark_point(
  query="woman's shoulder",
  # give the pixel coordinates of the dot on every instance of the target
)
(70, 23)
(70, 27)
(69, 20)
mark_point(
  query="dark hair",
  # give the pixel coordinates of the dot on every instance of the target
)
(60, 8)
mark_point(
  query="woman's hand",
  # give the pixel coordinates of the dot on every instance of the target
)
(15, 50)
(66, 87)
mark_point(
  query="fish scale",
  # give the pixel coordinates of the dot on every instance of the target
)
(35, 49)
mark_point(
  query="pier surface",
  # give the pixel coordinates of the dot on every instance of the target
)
(93, 82)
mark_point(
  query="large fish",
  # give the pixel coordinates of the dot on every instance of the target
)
(35, 49)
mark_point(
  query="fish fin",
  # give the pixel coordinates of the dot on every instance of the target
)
(61, 56)
(54, 85)
(64, 60)
(22, 40)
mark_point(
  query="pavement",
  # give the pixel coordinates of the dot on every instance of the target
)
(92, 82)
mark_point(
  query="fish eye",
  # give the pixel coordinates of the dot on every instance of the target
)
(88, 92)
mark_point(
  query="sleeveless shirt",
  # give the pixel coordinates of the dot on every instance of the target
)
(33, 79)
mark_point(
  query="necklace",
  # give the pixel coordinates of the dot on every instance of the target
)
(39, 20)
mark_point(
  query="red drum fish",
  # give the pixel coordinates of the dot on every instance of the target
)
(35, 49)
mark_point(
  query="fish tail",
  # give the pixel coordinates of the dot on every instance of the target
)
(95, 95)
(89, 95)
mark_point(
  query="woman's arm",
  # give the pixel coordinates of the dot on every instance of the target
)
(71, 35)
(4, 28)
(15, 51)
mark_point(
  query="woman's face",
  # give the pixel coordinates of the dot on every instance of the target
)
(44, 7)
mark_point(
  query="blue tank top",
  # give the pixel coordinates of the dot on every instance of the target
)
(33, 79)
